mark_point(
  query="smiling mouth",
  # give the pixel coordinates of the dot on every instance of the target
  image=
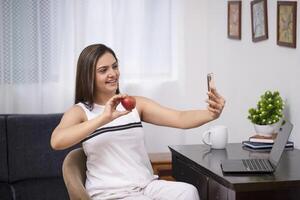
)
(112, 82)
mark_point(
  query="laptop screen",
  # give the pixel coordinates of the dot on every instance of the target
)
(280, 142)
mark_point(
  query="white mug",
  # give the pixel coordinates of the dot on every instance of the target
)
(217, 137)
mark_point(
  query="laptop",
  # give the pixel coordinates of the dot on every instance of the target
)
(261, 165)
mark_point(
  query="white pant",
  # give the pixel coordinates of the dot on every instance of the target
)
(167, 190)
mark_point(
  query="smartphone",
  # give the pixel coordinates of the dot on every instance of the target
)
(210, 81)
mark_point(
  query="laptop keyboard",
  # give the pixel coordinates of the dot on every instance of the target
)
(257, 165)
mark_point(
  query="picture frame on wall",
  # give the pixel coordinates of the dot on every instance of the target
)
(234, 22)
(286, 23)
(259, 20)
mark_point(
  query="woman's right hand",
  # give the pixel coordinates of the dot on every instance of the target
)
(215, 102)
(110, 110)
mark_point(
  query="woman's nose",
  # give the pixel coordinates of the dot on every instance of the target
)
(112, 72)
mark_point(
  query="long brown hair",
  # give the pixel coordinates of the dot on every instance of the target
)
(85, 75)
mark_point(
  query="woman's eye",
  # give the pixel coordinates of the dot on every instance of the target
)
(102, 70)
(115, 66)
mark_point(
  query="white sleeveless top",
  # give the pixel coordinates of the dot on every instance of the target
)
(117, 161)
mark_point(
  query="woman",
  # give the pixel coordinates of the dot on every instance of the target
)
(112, 138)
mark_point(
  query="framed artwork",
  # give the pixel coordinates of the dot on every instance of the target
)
(286, 23)
(234, 19)
(259, 20)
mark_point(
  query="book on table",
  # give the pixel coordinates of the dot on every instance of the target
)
(263, 150)
(260, 145)
(263, 139)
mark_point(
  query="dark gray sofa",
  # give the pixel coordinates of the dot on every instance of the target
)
(29, 168)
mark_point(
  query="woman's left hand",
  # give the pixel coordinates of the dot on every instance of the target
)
(215, 102)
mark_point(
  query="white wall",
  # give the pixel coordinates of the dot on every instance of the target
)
(244, 70)
(196, 62)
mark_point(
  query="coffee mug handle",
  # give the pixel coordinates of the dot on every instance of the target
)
(205, 136)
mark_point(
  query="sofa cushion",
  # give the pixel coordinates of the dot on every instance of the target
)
(5, 192)
(3, 152)
(29, 150)
(41, 189)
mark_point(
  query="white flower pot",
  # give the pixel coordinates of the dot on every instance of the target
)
(267, 130)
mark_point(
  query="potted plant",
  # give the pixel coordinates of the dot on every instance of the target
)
(267, 117)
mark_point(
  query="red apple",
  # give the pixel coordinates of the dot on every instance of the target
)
(128, 103)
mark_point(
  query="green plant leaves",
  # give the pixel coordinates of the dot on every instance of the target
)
(269, 109)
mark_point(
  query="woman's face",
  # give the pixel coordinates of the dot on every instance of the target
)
(107, 74)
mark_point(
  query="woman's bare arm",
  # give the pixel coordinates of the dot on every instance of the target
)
(74, 125)
(73, 128)
(154, 113)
